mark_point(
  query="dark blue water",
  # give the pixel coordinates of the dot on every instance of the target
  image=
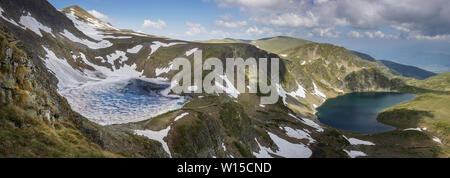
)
(358, 111)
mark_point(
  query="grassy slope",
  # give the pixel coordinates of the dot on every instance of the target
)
(430, 110)
(273, 45)
(277, 44)
(440, 82)
(225, 40)
(24, 135)
(24, 132)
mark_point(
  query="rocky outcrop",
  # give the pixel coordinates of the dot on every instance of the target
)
(31, 111)
(371, 80)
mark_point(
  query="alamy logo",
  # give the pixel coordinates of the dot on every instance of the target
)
(219, 81)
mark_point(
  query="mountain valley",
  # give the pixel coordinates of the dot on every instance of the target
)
(75, 86)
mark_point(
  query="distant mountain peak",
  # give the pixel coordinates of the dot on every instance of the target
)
(397, 68)
(408, 71)
(80, 13)
(279, 43)
(275, 37)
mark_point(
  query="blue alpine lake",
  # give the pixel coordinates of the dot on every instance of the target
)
(358, 111)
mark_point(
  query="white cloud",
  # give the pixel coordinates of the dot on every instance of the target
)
(257, 31)
(249, 3)
(194, 29)
(425, 37)
(236, 24)
(355, 34)
(402, 27)
(226, 17)
(369, 34)
(254, 31)
(159, 24)
(429, 18)
(379, 34)
(294, 20)
(99, 15)
(320, 1)
(326, 32)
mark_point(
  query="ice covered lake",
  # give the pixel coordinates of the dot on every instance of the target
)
(358, 111)
(123, 101)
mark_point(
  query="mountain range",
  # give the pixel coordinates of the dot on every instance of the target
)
(67, 79)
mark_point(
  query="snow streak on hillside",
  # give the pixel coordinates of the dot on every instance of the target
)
(28, 22)
(285, 149)
(92, 29)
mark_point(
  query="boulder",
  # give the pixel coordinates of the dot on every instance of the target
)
(8, 55)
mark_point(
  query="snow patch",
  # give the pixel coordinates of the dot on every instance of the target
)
(355, 141)
(299, 92)
(93, 45)
(281, 92)
(156, 135)
(117, 37)
(139, 34)
(156, 45)
(224, 147)
(118, 55)
(298, 134)
(135, 49)
(308, 122)
(8, 19)
(416, 129)
(312, 124)
(354, 154)
(181, 116)
(164, 70)
(263, 151)
(190, 52)
(32, 24)
(67, 76)
(436, 139)
(90, 28)
(290, 150)
(101, 59)
(318, 92)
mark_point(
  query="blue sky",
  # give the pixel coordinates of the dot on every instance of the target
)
(413, 32)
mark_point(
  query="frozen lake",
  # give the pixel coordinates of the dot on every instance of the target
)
(124, 101)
